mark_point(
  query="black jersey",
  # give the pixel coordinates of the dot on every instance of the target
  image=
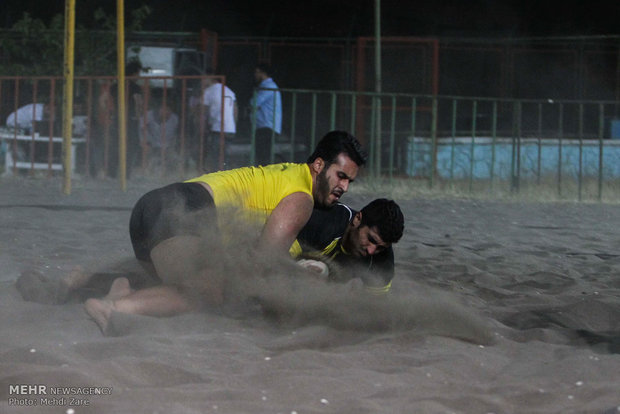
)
(323, 233)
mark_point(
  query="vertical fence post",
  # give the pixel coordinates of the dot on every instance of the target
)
(493, 143)
(601, 128)
(539, 142)
(411, 152)
(392, 137)
(560, 143)
(253, 131)
(182, 132)
(431, 182)
(35, 87)
(371, 142)
(67, 126)
(293, 115)
(313, 121)
(414, 109)
(452, 149)
(519, 135)
(89, 120)
(513, 158)
(50, 145)
(273, 130)
(472, 161)
(14, 146)
(122, 108)
(332, 116)
(353, 112)
(580, 176)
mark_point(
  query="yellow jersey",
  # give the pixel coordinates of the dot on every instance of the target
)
(254, 192)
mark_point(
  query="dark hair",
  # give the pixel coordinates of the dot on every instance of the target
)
(335, 143)
(386, 216)
(264, 67)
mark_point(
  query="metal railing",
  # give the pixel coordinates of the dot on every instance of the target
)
(474, 143)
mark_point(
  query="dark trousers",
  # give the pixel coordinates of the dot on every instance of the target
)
(263, 146)
(212, 151)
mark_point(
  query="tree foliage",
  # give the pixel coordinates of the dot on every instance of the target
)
(32, 48)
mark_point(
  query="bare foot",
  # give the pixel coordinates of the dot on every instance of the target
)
(100, 311)
(119, 289)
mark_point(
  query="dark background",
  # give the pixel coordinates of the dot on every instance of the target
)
(343, 18)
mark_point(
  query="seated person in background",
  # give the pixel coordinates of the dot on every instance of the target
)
(359, 242)
(161, 128)
(25, 116)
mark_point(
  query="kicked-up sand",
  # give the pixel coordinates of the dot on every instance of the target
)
(497, 307)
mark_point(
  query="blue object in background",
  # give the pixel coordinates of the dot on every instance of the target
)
(615, 129)
(454, 158)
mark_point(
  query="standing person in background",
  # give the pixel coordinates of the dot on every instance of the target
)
(103, 146)
(218, 113)
(104, 150)
(268, 111)
(135, 109)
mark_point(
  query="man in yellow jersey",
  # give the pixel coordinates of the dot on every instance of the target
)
(168, 225)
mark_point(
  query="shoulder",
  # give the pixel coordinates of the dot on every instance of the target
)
(338, 213)
(211, 90)
(290, 177)
(336, 217)
(229, 92)
(325, 225)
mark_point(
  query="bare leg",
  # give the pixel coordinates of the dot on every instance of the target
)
(154, 301)
(175, 261)
(101, 309)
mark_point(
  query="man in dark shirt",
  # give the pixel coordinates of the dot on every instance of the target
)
(359, 242)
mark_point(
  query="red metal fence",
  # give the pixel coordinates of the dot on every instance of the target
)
(95, 135)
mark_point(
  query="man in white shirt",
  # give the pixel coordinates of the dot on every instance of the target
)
(219, 115)
(25, 116)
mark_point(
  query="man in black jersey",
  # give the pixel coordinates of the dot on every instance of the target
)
(359, 242)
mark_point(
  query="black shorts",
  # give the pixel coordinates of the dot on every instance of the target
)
(174, 210)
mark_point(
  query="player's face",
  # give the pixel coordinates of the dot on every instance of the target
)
(333, 182)
(364, 241)
(259, 75)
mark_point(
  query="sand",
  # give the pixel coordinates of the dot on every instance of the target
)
(497, 307)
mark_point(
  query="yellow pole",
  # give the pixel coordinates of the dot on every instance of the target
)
(67, 101)
(122, 112)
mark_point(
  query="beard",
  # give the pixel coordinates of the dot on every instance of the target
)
(322, 184)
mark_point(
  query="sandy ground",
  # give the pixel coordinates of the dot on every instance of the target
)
(497, 307)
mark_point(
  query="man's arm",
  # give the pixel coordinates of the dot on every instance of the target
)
(285, 222)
